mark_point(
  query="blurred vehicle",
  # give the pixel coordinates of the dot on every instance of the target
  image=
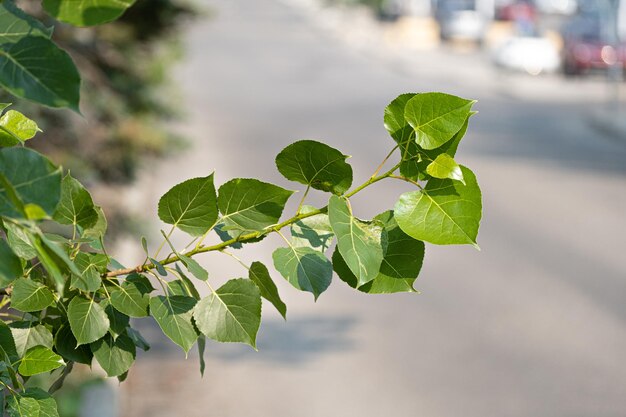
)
(586, 48)
(531, 54)
(519, 10)
(562, 7)
(461, 19)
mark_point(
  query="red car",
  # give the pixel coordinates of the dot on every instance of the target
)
(585, 47)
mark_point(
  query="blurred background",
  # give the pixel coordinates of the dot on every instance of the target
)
(533, 325)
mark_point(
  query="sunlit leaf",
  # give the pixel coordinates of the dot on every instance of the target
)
(444, 166)
(446, 212)
(27, 336)
(91, 265)
(315, 164)
(16, 128)
(360, 243)
(249, 205)
(305, 268)
(436, 117)
(232, 313)
(132, 297)
(39, 359)
(314, 232)
(173, 314)
(400, 267)
(29, 295)
(88, 320)
(86, 12)
(191, 206)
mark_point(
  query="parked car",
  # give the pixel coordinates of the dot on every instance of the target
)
(460, 19)
(586, 48)
(562, 7)
(531, 54)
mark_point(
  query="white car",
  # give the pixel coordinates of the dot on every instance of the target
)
(533, 55)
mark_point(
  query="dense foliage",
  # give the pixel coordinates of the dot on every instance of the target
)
(66, 300)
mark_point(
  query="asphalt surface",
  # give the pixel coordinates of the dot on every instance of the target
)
(532, 325)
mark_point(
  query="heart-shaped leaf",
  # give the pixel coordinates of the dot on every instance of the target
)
(360, 243)
(317, 165)
(445, 212)
(232, 313)
(191, 206)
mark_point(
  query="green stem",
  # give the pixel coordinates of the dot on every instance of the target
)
(253, 235)
(384, 160)
(303, 198)
(165, 240)
(235, 257)
(398, 177)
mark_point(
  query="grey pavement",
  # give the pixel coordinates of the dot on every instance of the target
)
(533, 325)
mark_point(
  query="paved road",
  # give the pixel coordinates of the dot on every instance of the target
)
(533, 325)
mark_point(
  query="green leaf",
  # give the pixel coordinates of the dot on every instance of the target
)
(10, 265)
(191, 289)
(444, 166)
(19, 240)
(179, 287)
(88, 320)
(400, 267)
(190, 206)
(16, 128)
(91, 265)
(160, 268)
(16, 24)
(8, 349)
(36, 69)
(40, 184)
(232, 313)
(317, 165)
(395, 123)
(250, 205)
(76, 206)
(98, 230)
(49, 260)
(66, 345)
(39, 359)
(446, 212)
(305, 268)
(194, 267)
(118, 321)
(27, 336)
(116, 356)
(314, 232)
(173, 314)
(360, 243)
(138, 339)
(201, 349)
(86, 12)
(21, 406)
(47, 404)
(418, 159)
(436, 117)
(132, 297)
(59, 251)
(29, 296)
(259, 274)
